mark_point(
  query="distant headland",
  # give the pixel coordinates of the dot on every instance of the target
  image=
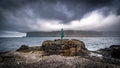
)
(74, 33)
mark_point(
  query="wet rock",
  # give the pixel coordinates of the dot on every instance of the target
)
(64, 47)
(23, 47)
(115, 51)
(105, 52)
(115, 46)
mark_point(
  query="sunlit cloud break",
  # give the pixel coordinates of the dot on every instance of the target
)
(44, 15)
(95, 20)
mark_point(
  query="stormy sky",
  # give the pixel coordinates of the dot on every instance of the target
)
(20, 16)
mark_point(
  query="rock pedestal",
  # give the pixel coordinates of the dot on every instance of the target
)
(64, 47)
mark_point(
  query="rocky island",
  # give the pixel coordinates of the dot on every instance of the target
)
(65, 53)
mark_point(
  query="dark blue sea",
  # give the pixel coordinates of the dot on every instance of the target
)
(92, 43)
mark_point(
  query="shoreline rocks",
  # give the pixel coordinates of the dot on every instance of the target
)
(64, 47)
(59, 53)
(26, 60)
(113, 51)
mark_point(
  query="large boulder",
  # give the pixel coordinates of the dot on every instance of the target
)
(115, 51)
(64, 47)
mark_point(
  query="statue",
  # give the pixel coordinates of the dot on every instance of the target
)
(62, 33)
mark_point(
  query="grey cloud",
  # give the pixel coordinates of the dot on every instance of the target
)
(22, 15)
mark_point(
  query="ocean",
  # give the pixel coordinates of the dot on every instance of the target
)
(91, 43)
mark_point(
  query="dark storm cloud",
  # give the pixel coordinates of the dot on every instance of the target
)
(28, 15)
(45, 8)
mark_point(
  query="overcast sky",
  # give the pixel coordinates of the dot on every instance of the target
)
(20, 16)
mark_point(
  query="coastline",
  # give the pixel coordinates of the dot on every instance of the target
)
(33, 57)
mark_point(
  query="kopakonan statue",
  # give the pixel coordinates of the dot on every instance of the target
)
(62, 33)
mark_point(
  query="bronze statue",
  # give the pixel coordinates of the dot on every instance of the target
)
(62, 33)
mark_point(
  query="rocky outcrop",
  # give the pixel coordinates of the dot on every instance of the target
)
(31, 60)
(64, 47)
(26, 48)
(113, 51)
(62, 54)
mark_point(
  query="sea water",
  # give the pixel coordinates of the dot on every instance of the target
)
(91, 43)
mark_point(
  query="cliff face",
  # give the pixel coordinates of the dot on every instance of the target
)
(69, 33)
(74, 33)
(43, 34)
